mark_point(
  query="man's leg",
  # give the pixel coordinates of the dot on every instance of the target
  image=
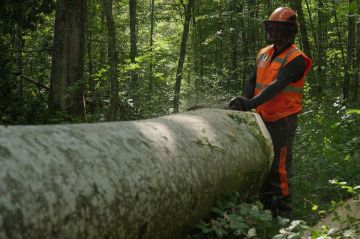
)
(275, 194)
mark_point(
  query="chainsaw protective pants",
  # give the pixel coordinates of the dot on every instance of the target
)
(275, 193)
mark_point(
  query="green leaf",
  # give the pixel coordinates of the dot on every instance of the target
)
(218, 211)
(220, 232)
(251, 233)
(314, 207)
(353, 111)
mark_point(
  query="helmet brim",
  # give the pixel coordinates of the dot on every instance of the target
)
(277, 21)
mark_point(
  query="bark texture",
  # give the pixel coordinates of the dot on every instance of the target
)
(66, 86)
(133, 40)
(135, 179)
(113, 61)
(180, 66)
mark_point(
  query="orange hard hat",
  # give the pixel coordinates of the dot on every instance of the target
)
(283, 14)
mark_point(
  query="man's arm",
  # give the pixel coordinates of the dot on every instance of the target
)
(292, 72)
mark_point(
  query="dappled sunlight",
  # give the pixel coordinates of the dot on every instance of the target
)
(156, 133)
(162, 132)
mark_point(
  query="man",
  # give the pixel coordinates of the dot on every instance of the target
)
(275, 90)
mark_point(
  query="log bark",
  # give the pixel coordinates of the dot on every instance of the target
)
(135, 179)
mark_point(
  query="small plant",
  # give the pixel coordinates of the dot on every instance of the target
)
(295, 230)
(232, 219)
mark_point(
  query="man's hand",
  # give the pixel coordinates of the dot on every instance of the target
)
(240, 103)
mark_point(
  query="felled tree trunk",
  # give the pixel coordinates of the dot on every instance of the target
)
(136, 179)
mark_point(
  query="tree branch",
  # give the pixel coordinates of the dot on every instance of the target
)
(27, 78)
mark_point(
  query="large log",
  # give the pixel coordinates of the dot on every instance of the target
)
(136, 179)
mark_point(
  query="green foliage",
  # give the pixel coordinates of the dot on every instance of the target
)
(26, 13)
(295, 230)
(326, 148)
(230, 219)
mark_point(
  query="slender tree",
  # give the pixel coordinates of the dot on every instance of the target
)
(89, 48)
(349, 52)
(19, 44)
(297, 5)
(339, 36)
(113, 61)
(197, 49)
(133, 38)
(151, 43)
(234, 43)
(244, 51)
(219, 52)
(179, 71)
(66, 86)
(316, 88)
(252, 8)
(357, 59)
(321, 49)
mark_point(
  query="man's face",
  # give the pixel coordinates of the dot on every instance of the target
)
(276, 32)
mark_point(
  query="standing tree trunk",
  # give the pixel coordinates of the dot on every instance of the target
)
(357, 59)
(234, 31)
(179, 71)
(218, 53)
(66, 86)
(113, 61)
(297, 5)
(321, 51)
(312, 26)
(338, 32)
(197, 52)
(152, 25)
(244, 50)
(315, 85)
(102, 60)
(19, 45)
(133, 40)
(19, 42)
(89, 47)
(349, 52)
(252, 6)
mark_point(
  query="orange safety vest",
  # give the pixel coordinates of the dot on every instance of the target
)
(288, 101)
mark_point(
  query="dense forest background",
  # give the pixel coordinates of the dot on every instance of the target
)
(87, 61)
(101, 60)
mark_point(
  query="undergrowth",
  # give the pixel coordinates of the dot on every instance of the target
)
(326, 172)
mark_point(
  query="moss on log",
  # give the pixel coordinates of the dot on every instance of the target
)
(137, 179)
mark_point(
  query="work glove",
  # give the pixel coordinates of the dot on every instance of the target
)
(240, 103)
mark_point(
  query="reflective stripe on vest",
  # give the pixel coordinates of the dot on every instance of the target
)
(284, 60)
(288, 88)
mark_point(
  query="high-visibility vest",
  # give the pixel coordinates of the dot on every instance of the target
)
(288, 101)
